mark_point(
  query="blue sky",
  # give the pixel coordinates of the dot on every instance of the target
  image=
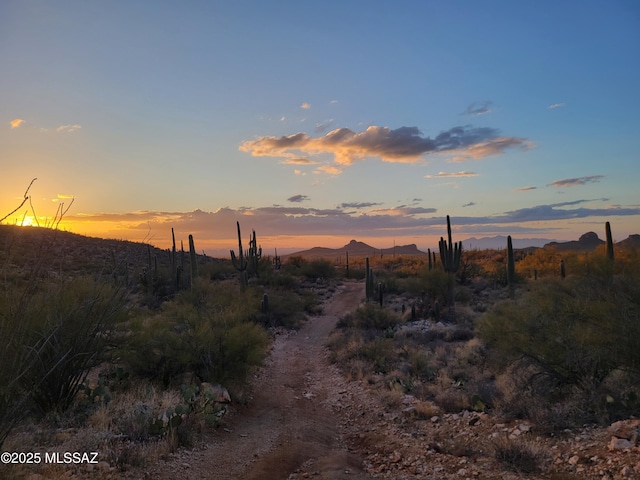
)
(317, 122)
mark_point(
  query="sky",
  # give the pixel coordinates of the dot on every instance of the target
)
(315, 123)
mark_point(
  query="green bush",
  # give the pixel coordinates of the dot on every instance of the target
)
(574, 334)
(370, 316)
(54, 333)
(208, 331)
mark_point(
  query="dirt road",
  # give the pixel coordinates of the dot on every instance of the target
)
(290, 425)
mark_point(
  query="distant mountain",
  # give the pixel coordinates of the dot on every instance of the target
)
(358, 249)
(500, 241)
(632, 241)
(586, 242)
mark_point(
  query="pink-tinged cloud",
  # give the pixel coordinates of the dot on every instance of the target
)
(453, 174)
(493, 146)
(573, 182)
(556, 105)
(68, 128)
(305, 106)
(299, 161)
(16, 122)
(524, 189)
(402, 145)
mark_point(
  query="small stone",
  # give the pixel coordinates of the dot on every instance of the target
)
(435, 419)
(574, 460)
(619, 444)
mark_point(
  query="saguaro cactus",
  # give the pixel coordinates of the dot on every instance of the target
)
(240, 263)
(368, 280)
(193, 260)
(254, 254)
(449, 252)
(609, 244)
(511, 266)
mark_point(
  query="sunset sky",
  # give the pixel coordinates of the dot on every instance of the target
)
(315, 123)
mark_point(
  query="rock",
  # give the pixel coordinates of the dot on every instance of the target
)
(574, 460)
(627, 429)
(217, 393)
(619, 444)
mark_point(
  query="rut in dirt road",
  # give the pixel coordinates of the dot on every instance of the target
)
(290, 424)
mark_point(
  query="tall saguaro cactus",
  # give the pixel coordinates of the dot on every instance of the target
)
(450, 258)
(511, 266)
(254, 254)
(368, 280)
(449, 252)
(609, 244)
(174, 261)
(240, 263)
(193, 260)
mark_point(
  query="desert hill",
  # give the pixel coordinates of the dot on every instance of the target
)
(590, 241)
(357, 249)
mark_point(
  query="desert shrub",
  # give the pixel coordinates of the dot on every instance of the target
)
(286, 309)
(208, 331)
(318, 269)
(54, 334)
(520, 454)
(370, 316)
(570, 336)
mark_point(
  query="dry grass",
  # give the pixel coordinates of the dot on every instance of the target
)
(520, 454)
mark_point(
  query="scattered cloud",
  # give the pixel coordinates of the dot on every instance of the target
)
(301, 221)
(16, 122)
(401, 145)
(329, 169)
(470, 204)
(359, 205)
(557, 105)
(305, 106)
(573, 182)
(478, 108)
(324, 126)
(492, 146)
(333, 102)
(298, 161)
(297, 198)
(68, 128)
(453, 174)
(524, 189)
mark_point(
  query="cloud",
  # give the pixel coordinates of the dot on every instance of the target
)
(358, 204)
(478, 108)
(324, 126)
(573, 182)
(452, 174)
(524, 189)
(492, 146)
(218, 228)
(470, 204)
(298, 161)
(401, 145)
(68, 128)
(16, 122)
(297, 198)
(305, 106)
(557, 105)
(330, 169)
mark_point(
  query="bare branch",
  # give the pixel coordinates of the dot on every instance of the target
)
(24, 200)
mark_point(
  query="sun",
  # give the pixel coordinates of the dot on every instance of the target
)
(28, 221)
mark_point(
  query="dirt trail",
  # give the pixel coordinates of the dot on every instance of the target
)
(290, 425)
